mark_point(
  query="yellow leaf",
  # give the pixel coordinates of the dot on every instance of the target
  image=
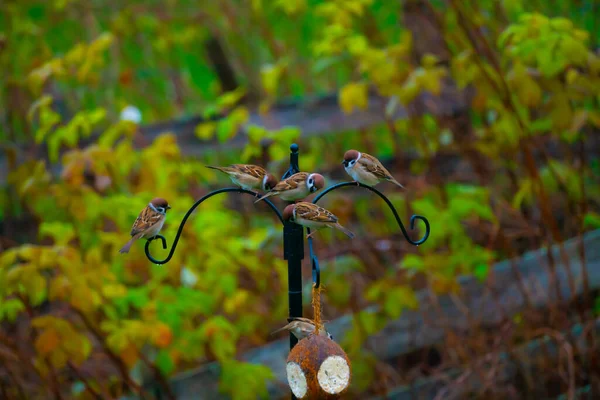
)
(561, 24)
(572, 76)
(114, 290)
(429, 60)
(357, 44)
(59, 288)
(353, 95)
(233, 303)
(230, 99)
(529, 92)
(562, 113)
(58, 359)
(270, 76)
(44, 101)
(81, 298)
(205, 130)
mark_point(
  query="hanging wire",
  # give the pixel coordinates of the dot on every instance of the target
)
(196, 204)
(316, 270)
(390, 205)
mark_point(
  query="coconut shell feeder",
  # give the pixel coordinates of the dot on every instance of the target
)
(317, 367)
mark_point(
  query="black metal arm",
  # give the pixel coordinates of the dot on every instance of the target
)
(196, 204)
(316, 271)
(390, 205)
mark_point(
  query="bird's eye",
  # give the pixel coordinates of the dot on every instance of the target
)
(311, 181)
(160, 209)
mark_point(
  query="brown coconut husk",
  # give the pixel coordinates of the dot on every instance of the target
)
(309, 355)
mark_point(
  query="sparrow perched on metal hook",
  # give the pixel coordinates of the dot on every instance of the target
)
(302, 327)
(249, 177)
(296, 187)
(149, 223)
(314, 217)
(366, 169)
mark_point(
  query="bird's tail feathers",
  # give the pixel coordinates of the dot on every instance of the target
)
(222, 169)
(125, 249)
(395, 182)
(347, 231)
(265, 196)
(280, 329)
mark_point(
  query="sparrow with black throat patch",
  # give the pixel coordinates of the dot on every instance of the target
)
(149, 223)
(366, 169)
(296, 187)
(249, 177)
(314, 217)
(302, 328)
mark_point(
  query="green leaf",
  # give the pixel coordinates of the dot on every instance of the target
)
(9, 309)
(413, 262)
(245, 381)
(592, 220)
(399, 298)
(61, 233)
(164, 362)
(481, 272)
(36, 288)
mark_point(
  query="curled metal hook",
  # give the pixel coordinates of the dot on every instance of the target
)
(196, 204)
(390, 205)
(316, 270)
(161, 237)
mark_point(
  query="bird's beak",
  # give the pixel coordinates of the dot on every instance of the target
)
(343, 161)
(168, 207)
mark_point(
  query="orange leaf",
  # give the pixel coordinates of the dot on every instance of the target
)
(129, 355)
(163, 336)
(47, 341)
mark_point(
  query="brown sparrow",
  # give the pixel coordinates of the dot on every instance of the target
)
(366, 169)
(314, 217)
(303, 327)
(149, 223)
(249, 177)
(296, 187)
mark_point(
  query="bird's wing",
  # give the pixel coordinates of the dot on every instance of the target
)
(315, 213)
(293, 182)
(372, 165)
(147, 218)
(308, 320)
(252, 170)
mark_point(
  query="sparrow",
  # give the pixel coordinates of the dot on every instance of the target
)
(149, 223)
(249, 177)
(296, 187)
(302, 327)
(366, 169)
(314, 217)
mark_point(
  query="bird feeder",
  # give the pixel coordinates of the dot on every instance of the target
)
(318, 368)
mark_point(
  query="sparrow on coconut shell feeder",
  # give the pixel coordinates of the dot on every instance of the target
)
(317, 367)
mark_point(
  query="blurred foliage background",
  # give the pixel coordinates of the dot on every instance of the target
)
(488, 113)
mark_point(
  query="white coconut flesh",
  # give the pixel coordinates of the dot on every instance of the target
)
(296, 380)
(334, 374)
